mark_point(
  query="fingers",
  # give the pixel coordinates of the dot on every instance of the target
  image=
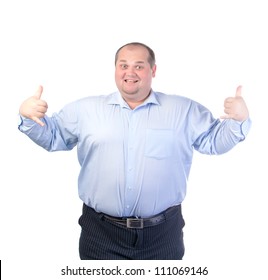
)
(235, 107)
(228, 107)
(228, 113)
(238, 91)
(34, 107)
(39, 92)
(41, 106)
(230, 104)
(38, 121)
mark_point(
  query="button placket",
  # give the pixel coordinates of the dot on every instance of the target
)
(130, 195)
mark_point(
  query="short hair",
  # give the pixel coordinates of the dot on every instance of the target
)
(151, 57)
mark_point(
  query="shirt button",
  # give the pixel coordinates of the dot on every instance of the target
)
(127, 206)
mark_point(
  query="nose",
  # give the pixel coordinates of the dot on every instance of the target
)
(131, 72)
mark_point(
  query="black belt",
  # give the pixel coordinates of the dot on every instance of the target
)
(140, 223)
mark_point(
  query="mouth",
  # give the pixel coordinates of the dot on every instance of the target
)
(130, 81)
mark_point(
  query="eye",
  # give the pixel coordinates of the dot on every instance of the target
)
(138, 67)
(123, 66)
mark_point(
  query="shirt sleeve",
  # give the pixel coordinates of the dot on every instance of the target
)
(222, 136)
(215, 136)
(59, 132)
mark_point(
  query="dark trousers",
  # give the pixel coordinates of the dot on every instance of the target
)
(102, 239)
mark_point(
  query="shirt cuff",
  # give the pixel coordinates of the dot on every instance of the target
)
(22, 122)
(242, 127)
(245, 126)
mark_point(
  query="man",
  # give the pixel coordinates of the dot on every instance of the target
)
(135, 148)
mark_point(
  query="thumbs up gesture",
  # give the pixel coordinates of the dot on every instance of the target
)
(235, 107)
(34, 107)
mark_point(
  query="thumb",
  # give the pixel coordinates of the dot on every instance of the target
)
(238, 91)
(39, 92)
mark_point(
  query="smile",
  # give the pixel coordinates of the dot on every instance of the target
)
(131, 81)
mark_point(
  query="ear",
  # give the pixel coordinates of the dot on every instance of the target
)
(154, 70)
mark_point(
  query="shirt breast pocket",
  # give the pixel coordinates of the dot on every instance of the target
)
(159, 143)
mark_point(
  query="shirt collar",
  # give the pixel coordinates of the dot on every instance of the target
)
(116, 99)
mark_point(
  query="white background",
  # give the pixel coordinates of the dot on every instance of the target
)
(204, 50)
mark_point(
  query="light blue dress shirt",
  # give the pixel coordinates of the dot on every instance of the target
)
(135, 162)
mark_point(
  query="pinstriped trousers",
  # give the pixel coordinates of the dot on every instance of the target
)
(102, 239)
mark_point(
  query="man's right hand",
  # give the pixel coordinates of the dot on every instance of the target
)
(34, 108)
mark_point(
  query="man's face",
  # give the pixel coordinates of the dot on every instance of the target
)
(133, 73)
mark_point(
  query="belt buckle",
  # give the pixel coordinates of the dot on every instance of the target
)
(134, 223)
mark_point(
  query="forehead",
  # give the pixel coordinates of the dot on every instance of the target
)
(133, 54)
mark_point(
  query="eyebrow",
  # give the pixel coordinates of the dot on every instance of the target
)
(125, 61)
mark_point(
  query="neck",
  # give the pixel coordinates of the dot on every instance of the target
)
(132, 103)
